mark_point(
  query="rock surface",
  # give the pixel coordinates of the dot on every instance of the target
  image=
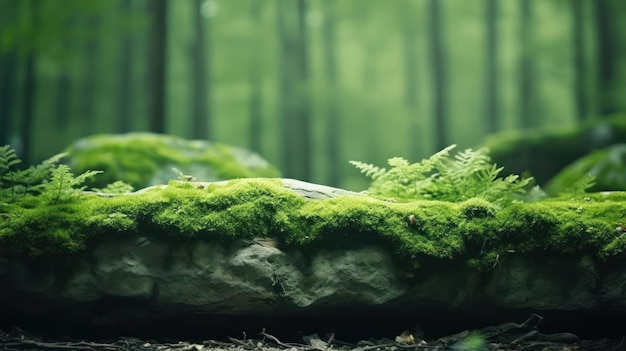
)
(152, 279)
(141, 277)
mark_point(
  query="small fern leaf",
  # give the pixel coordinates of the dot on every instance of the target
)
(398, 162)
(8, 158)
(81, 178)
(369, 170)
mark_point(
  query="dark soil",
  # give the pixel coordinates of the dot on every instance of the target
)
(506, 336)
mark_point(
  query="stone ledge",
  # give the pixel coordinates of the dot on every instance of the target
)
(149, 278)
(273, 248)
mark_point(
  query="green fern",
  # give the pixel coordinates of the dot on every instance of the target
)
(369, 170)
(33, 178)
(8, 159)
(580, 186)
(49, 178)
(117, 187)
(64, 186)
(468, 174)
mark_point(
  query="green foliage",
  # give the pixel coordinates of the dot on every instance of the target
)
(64, 186)
(54, 181)
(117, 187)
(581, 185)
(8, 159)
(144, 159)
(33, 179)
(474, 230)
(469, 174)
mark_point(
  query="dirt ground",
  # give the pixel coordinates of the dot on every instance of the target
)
(507, 336)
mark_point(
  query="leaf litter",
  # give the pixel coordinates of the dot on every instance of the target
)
(503, 337)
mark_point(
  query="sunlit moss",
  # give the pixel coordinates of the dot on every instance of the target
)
(137, 159)
(474, 230)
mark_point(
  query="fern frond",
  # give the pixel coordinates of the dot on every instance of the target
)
(52, 161)
(490, 173)
(369, 170)
(63, 184)
(82, 178)
(581, 185)
(469, 157)
(117, 187)
(398, 162)
(468, 174)
(8, 158)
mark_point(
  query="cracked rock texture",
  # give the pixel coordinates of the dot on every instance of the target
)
(140, 279)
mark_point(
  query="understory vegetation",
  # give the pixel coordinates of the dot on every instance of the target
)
(469, 174)
(53, 216)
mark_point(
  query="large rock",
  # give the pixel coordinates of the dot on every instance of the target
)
(244, 277)
(144, 159)
(201, 252)
(142, 279)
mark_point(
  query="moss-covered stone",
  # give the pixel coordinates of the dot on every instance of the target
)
(475, 231)
(607, 166)
(143, 159)
(545, 153)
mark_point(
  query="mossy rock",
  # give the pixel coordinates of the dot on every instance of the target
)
(258, 246)
(144, 159)
(546, 153)
(474, 231)
(608, 166)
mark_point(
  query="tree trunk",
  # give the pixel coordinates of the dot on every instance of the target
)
(8, 63)
(29, 93)
(125, 100)
(528, 118)
(304, 122)
(28, 102)
(370, 113)
(158, 66)
(580, 70)
(491, 69)
(607, 70)
(255, 81)
(200, 119)
(410, 82)
(90, 77)
(294, 89)
(438, 74)
(62, 99)
(333, 132)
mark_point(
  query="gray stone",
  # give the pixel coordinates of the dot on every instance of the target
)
(150, 278)
(544, 282)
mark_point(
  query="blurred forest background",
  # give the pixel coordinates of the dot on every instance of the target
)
(309, 84)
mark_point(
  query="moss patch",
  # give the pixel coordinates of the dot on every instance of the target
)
(607, 166)
(474, 230)
(545, 153)
(140, 158)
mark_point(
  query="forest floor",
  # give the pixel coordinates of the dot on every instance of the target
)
(506, 336)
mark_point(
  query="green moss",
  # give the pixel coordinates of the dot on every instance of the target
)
(44, 230)
(544, 153)
(474, 230)
(140, 158)
(607, 166)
